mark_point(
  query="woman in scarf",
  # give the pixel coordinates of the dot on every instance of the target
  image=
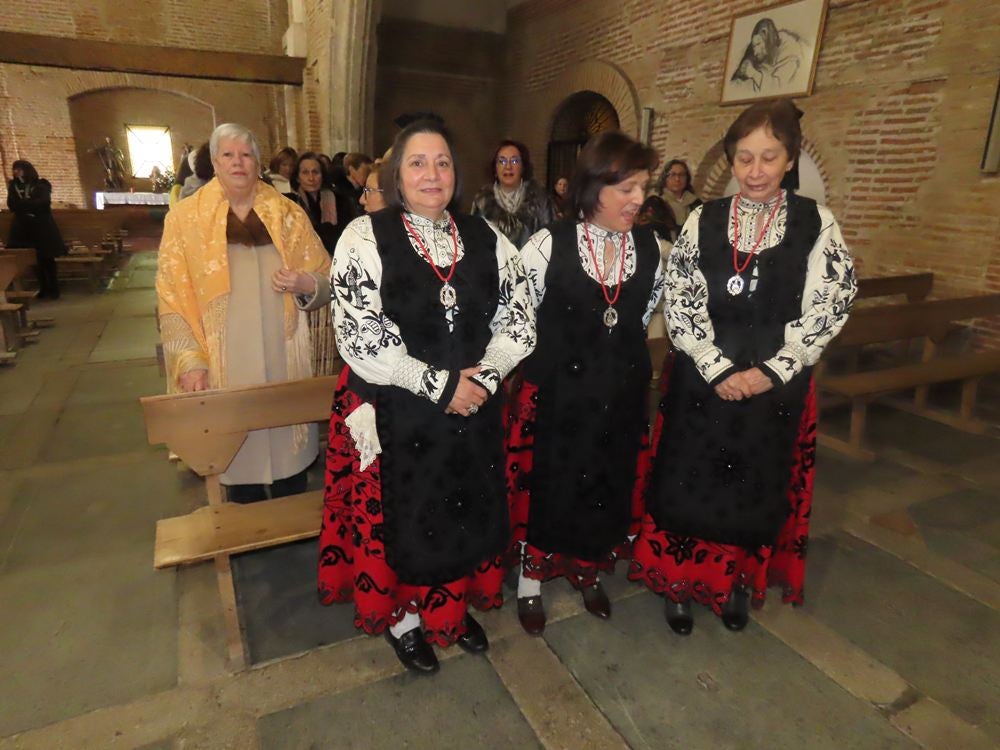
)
(238, 267)
(674, 186)
(319, 203)
(517, 204)
(579, 418)
(30, 200)
(758, 284)
(431, 311)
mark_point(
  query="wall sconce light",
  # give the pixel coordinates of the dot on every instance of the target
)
(646, 126)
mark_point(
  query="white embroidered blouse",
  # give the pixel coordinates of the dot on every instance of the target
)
(370, 342)
(829, 290)
(538, 251)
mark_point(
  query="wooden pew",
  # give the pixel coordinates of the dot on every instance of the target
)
(931, 321)
(206, 430)
(916, 286)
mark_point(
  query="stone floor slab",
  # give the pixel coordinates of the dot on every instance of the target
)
(136, 303)
(962, 526)
(925, 437)
(85, 621)
(125, 384)
(96, 430)
(464, 706)
(713, 689)
(279, 609)
(126, 338)
(943, 643)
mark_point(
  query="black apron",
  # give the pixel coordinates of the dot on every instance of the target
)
(591, 411)
(443, 494)
(722, 468)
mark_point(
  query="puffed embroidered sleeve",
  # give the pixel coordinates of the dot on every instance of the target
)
(829, 291)
(181, 349)
(659, 281)
(513, 325)
(535, 258)
(686, 306)
(367, 339)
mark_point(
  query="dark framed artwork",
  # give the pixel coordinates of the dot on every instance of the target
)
(773, 52)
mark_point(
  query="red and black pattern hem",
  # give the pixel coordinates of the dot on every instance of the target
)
(687, 568)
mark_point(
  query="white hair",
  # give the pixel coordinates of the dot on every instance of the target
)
(232, 131)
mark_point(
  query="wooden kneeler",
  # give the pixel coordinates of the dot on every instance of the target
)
(207, 429)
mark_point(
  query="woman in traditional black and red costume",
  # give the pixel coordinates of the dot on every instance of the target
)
(431, 313)
(758, 284)
(578, 423)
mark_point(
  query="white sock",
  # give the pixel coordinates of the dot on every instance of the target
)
(527, 586)
(410, 621)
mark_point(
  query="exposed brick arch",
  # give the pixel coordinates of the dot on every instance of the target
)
(154, 84)
(598, 76)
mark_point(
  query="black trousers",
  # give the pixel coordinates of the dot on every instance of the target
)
(48, 283)
(252, 493)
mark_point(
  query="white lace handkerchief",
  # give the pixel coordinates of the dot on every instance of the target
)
(361, 423)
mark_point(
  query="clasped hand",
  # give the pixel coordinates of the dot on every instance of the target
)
(287, 281)
(467, 394)
(745, 384)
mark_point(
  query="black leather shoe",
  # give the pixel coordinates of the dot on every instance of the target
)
(679, 617)
(736, 610)
(413, 651)
(596, 601)
(531, 613)
(474, 640)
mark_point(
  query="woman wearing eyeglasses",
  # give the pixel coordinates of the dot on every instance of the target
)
(514, 202)
(371, 194)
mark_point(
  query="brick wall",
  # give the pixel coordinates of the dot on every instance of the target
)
(455, 73)
(897, 118)
(35, 121)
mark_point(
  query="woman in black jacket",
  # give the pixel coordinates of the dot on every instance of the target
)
(30, 199)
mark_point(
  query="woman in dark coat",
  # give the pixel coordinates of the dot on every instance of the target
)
(319, 203)
(30, 199)
(758, 284)
(513, 201)
(579, 418)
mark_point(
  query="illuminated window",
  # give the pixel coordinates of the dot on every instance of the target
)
(148, 147)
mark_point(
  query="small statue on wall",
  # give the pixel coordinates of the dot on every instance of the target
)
(113, 161)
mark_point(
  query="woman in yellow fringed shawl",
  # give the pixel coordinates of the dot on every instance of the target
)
(239, 268)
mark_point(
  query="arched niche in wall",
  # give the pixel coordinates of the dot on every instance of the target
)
(716, 177)
(596, 77)
(100, 113)
(577, 118)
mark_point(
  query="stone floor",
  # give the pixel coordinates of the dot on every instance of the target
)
(897, 646)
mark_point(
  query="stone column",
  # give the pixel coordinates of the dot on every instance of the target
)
(351, 76)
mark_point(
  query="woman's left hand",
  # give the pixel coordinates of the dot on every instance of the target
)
(287, 281)
(757, 381)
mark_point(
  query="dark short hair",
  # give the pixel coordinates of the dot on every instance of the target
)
(203, 168)
(30, 173)
(659, 211)
(607, 159)
(286, 153)
(355, 161)
(780, 116)
(661, 184)
(390, 186)
(294, 179)
(527, 171)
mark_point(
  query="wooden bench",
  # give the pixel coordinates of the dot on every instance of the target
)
(206, 430)
(915, 286)
(931, 321)
(79, 267)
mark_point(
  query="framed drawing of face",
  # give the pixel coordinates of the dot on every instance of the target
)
(773, 52)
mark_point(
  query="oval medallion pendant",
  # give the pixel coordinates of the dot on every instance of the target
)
(611, 317)
(735, 285)
(448, 297)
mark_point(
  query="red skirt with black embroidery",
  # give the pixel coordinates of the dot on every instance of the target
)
(539, 564)
(352, 562)
(685, 567)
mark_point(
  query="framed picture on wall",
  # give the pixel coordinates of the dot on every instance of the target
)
(773, 52)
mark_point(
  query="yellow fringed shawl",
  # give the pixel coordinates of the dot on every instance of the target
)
(192, 279)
